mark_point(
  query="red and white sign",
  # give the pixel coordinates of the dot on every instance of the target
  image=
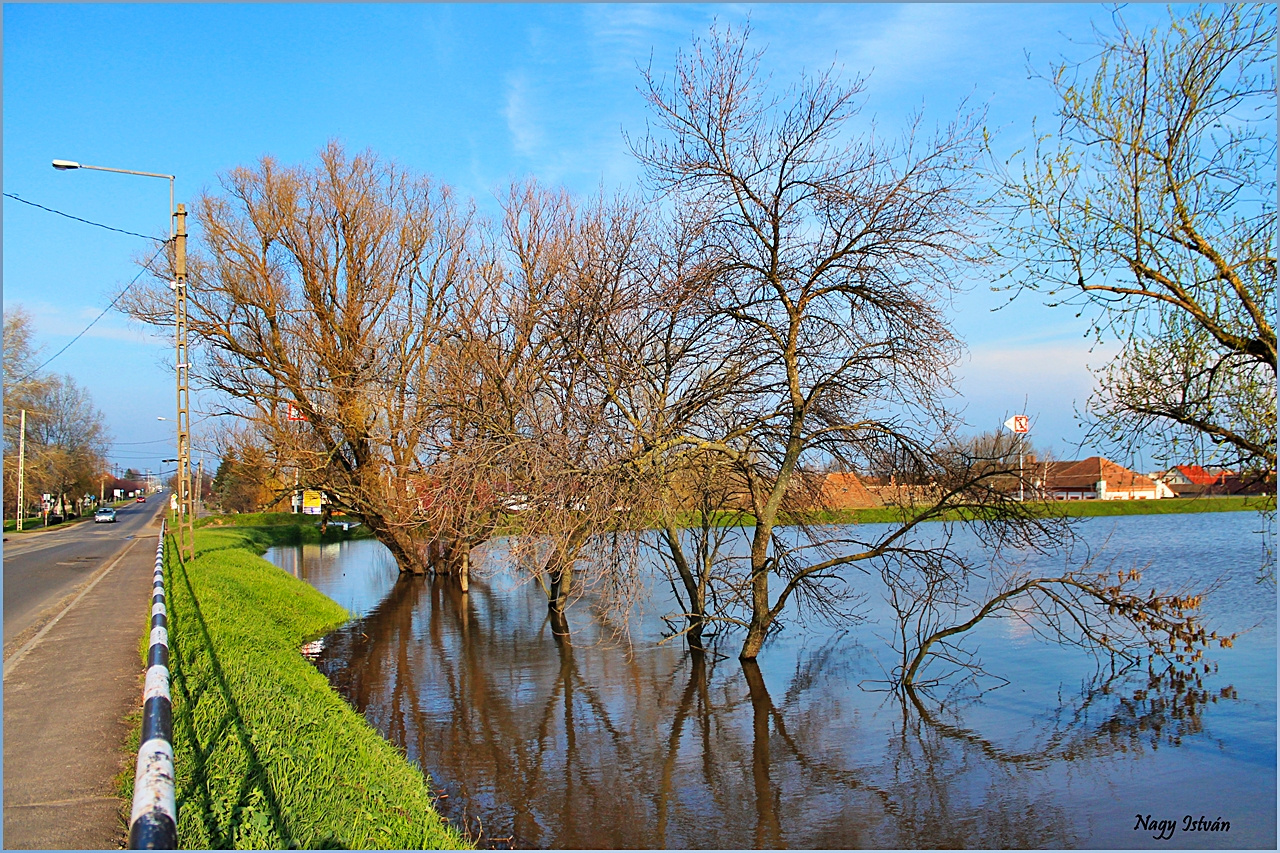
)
(295, 414)
(1019, 423)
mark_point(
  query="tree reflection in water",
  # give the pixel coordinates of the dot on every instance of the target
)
(545, 741)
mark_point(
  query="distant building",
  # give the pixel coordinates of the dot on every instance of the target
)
(1194, 480)
(843, 490)
(1098, 478)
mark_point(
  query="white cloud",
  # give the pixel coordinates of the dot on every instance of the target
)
(53, 321)
(1044, 362)
(621, 35)
(912, 44)
(522, 123)
(1050, 381)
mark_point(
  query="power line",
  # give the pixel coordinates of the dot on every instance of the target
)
(78, 219)
(145, 267)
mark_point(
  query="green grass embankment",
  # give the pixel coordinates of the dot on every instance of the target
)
(1068, 509)
(267, 756)
(287, 528)
(1053, 509)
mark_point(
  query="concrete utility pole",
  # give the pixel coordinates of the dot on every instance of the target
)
(186, 511)
(22, 463)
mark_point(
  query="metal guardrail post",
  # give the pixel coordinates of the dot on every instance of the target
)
(153, 824)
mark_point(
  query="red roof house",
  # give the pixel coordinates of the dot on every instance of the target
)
(1098, 478)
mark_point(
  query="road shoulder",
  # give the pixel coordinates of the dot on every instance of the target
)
(65, 705)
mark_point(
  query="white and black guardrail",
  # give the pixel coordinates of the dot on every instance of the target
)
(154, 822)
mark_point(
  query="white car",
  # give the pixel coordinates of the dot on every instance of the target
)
(105, 514)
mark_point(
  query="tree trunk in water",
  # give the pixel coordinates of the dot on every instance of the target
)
(758, 628)
(697, 615)
(559, 571)
(464, 568)
(694, 634)
(760, 615)
(559, 623)
(399, 541)
(408, 556)
(558, 591)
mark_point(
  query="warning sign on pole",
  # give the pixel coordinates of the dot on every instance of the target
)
(312, 502)
(1018, 423)
(295, 414)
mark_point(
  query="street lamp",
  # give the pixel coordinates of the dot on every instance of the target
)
(68, 165)
(177, 236)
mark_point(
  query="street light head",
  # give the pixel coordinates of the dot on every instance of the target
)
(64, 165)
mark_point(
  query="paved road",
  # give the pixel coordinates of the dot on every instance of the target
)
(44, 567)
(72, 677)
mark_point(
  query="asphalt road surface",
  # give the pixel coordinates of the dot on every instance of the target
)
(42, 569)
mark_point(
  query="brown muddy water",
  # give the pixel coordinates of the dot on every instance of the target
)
(535, 742)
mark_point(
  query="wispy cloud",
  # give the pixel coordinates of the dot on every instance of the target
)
(56, 321)
(620, 36)
(912, 43)
(522, 120)
(1051, 381)
(1034, 362)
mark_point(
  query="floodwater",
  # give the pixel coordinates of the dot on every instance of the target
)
(540, 743)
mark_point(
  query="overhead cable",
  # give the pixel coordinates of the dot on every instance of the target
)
(145, 267)
(78, 219)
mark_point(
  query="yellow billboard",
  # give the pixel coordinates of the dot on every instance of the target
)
(312, 501)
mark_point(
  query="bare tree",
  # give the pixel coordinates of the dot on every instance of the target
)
(573, 272)
(20, 385)
(831, 255)
(1154, 206)
(317, 304)
(66, 441)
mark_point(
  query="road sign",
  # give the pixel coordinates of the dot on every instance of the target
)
(312, 502)
(1019, 423)
(295, 414)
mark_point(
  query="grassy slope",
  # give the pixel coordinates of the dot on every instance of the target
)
(267, 755)
(1074, 509)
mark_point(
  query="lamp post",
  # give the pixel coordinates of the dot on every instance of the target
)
(178, 237)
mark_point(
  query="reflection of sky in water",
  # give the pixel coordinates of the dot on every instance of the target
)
(601, 746)
(356, 574)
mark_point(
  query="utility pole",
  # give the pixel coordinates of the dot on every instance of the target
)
(1021, 478)
(22, 462)
(186, 532)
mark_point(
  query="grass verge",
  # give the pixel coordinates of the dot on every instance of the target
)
(267, 756)
(1060, 509)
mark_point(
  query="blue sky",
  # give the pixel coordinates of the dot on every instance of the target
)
(476, 95)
